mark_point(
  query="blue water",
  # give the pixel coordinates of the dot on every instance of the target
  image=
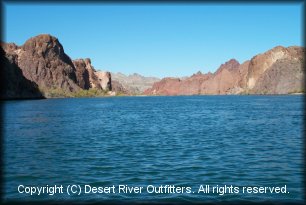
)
(185, 141)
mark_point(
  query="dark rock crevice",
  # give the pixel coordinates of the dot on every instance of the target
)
(14, 84)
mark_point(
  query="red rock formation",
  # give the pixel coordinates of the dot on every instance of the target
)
(42, 60)
(42, 65)
(224, 80)
(88, 77)
(13, 84)
(82, 73)
(221, 82)
(277, 71)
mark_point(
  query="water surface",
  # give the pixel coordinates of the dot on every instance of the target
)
(140, 141)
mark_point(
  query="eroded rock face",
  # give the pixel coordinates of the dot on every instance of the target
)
(13, 84)
(277, 71)
(42, 60)
(82, 74)
(284, 76)
(119, 88)
(260, 63)
(104, 79)
(88, 77)
(41, 65)
(167, 86)
(221, 82)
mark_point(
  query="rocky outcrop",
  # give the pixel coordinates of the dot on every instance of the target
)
(133, 84)
(120, 89)
(82, 73)
(281, 80)
(41, 67)
(104, 79)
(88, 77)
(277, 71)
(167, 86)
(13, 84)
(42, 61)
(222, 81)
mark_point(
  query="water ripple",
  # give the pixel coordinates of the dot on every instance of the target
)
(183, 141)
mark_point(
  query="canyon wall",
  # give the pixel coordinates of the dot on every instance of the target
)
(43, 62)
(40, 68)
(278, 71)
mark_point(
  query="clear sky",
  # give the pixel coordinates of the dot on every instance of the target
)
(158, 39)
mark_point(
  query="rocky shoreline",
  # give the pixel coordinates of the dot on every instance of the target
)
(41, 69)
(278, 71)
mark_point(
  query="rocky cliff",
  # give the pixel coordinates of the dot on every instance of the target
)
(104, 79)
(13, 84)
(40, 68)
(42, 60)
(88, 77)
(278, 71)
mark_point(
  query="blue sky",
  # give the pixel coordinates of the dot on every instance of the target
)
(158, 39)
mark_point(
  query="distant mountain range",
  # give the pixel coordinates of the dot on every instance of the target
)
(135, 83)
(40, 68)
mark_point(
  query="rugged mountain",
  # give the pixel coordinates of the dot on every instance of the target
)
(40, 67)
(218, 83)
(43, 61)
(13, 84)
(278, 71)
(88, 77)
(120, 89)
(133, 84)
(223, 81)
(82, 73)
